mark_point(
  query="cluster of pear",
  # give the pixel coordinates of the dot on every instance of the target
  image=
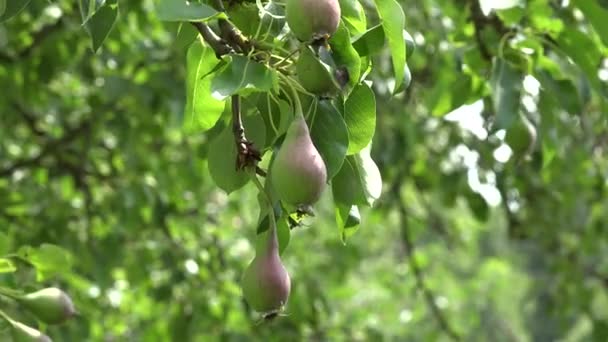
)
(297, 175)
(50, 305)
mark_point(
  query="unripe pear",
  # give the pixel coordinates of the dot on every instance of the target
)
(313, 19)
(298, 173)
(50, 305)
(23, 333)
(266, 284)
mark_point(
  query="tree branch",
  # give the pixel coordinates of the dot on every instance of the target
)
(247, 155)
(420, 281)
(216, 43)
(395, 191)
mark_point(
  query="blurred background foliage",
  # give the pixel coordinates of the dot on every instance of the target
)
(490, 228)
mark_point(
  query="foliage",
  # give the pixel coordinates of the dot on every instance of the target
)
(487, 175)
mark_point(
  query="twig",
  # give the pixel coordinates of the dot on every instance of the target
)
(420, 281)
(247, 155)
(429, 296)
(216, 43)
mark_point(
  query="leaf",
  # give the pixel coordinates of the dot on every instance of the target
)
(4, 243)
(330, 136)
(370, 42)
(393, 22)
(564, 91)
(202, 109)
(48, 259)
(101, 22)
(273, 20)
(583, 51)
(353, 16)
(276, 116)
(7, 266)
(10, 8)
(487, 6)
(348, 219)
(597, 17)
(222, 154)
(242, 76)
(359, 180)
(181, 10)
(360, 118)
(506, 82)
(478, 205)
(345, 55)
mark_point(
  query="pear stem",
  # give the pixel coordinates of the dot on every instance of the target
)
(294, 95)
(272, 243)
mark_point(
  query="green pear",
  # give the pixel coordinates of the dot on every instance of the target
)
(313, 19)
(50, 305)
(298, 173)
(266, 284)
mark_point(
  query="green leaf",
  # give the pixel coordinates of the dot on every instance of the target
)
(345, 55)
(330, 136)
(101, 22)
(478, 206)
(9, 9)
(597, 17)
(370, 42)
(202, 109)
(584, 52)
(7, 266)
(564, 91)
(181, 10)
(242, 76)
(487, 6)
(393, 22)
(359, 180)
(360, 118)
(4, 244)
(273, 20)
(353, 16)
(506, 83)
(222, 154)
(276, 116)
(348, 219)
(48, 259)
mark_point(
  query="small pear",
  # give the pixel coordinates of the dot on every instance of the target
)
(50, 305)
(266, 284)
(313, 19)
(298, 173)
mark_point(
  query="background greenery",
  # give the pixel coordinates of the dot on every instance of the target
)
(472, 239)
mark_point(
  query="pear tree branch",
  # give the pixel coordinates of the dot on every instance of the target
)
(410, 251)
(247, 154)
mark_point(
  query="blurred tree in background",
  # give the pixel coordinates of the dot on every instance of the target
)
(492, 224)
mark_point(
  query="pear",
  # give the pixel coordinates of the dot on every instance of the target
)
(266, 284)
(50, 305)
(313, 19)
(298, 173)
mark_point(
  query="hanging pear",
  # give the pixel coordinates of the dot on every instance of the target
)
(266, 284)
(298, 173)
(50, 305)
(313, 19)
